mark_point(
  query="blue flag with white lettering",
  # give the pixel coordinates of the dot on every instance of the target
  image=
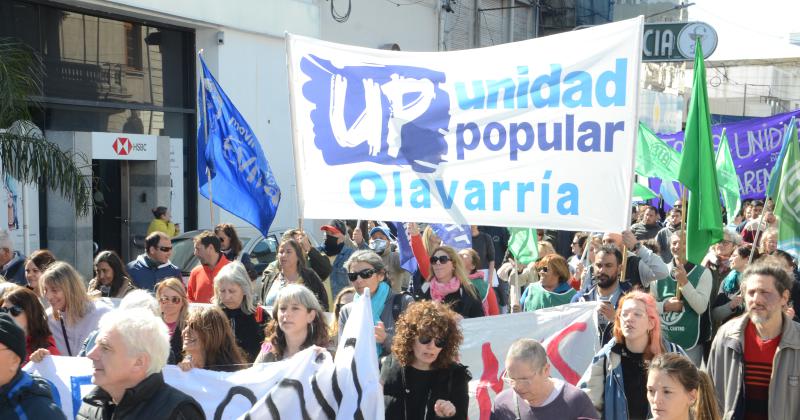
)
(241, 179)
(457, 236)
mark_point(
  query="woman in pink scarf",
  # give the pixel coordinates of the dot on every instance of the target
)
(449, 283)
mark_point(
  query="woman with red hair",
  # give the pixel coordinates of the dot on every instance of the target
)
(618, 374)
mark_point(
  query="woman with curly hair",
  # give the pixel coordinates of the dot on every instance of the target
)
(449, 283)
(22, 304)
(618, 373)
(421, 378)
(110, 277)
(297, 323)
(208, 342)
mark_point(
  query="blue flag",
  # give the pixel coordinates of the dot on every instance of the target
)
(457, 236)
(407, 260)
(241, 180)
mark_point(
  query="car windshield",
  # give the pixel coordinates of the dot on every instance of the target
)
(183, 253)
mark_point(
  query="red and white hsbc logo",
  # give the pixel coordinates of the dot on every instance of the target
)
(124, 146)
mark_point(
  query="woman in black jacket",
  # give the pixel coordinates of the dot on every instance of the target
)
(450, 284)
(292, 270)
(421, 378)
(234, 295)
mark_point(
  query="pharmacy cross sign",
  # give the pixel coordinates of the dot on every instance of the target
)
(122, 146)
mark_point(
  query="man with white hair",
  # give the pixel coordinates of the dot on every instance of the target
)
(12, 263)
(534, 394)
(132, 348)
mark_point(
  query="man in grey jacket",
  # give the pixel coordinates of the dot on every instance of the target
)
(758, 354)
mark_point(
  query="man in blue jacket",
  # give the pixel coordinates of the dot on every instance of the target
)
(154, 265)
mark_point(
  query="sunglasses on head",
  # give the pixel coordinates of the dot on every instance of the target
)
(167, 299)
(165, 248)
(364, 274)
(439, 342)
(441, 259)
(14, 310)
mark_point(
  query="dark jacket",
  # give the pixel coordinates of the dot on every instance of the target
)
(249, 332)
(310, 280)
(16, 270)
(451, 384)
(460, 301)
(151, 399)
(30, 396)
(243, 258)
(145, 272)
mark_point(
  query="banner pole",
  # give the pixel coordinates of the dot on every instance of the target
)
(684, 210)
(205, 132)
(757, 236)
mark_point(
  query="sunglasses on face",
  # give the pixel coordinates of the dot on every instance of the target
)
(542, 269)
(167, 299)
(439, 342)
(364, 274)
(441, 259)
(14, 310)
(165, 248)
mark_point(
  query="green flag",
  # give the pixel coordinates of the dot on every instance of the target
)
(523, 245)
(787, 195)
(642, 193)
(727, 178)
(704, 218)
(654, 157)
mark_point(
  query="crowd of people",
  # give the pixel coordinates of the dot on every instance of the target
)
(678, 340)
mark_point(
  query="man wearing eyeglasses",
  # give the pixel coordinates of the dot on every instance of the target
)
(532, 393)
(154, 265)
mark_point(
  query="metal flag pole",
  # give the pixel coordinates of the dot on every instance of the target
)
(757, 236)
(205, 131)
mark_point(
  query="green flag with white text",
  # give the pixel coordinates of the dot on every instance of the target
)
(697, 173)
(523, 245)
(654, 157)
(727, 178)
(787, 195)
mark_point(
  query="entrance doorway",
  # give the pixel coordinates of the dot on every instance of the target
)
(110, 219)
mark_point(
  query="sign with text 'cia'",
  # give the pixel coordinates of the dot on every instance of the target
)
(123, 146)
(537, 133)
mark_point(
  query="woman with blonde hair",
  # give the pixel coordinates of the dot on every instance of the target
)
(678, 390)
(72, 314)
(174, 305)
(208, 342)
(618, 373)
(297, 323)
(449, 283)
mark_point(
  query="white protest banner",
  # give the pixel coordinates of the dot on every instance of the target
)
(537, 133)
(349, 388)
(567, 332)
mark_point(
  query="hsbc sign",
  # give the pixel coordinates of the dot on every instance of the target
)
(117, 146)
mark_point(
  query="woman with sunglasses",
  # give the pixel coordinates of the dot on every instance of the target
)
(110, 278)
(231, 246)
(366, 271)
(292, 270)
(553, 288)
(208, 342)
(297, 323)
(174, 305)
(421, 378)
(72, 314)
(24, 306)
(450, 284)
